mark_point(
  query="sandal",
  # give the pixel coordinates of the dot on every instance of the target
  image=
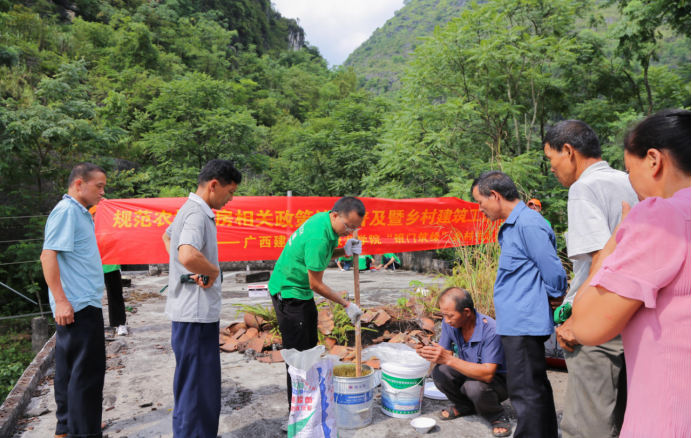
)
(452, 415)
(502, 423)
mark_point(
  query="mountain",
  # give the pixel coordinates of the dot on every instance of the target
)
(257, 22)
(381, 60)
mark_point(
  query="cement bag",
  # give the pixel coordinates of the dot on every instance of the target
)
(312, 404)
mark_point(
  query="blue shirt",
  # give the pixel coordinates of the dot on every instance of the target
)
(528, 273)
(485, 346)
(70, 231)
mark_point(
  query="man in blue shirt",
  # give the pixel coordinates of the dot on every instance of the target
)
(72, 269)
(474, 379)
(530, 279)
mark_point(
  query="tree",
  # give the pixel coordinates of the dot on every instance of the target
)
(641, 28)
(196, 119)
(53, 133)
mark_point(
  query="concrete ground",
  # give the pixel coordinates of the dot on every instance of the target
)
(138, 398)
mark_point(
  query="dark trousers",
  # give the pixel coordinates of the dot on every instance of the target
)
(80, 368)
(529, 389)
(197, 379)
(348, 265)
(116, 302)
(394, 264)
(469, 395)
(298, 324)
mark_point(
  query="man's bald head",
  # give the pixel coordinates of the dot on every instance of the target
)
(460, 297)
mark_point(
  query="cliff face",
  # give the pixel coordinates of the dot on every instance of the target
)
(296, 36)
(258, 24)
(381, 60)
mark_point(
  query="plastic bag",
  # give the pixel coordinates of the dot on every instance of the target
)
(396, 353)
(303, 360)
(312, 403)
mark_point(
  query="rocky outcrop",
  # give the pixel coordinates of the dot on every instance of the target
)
(296, 37)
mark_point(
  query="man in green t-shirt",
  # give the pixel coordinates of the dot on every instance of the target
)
(298, 273)
(347, 263)
(390, 261)
(116, 303)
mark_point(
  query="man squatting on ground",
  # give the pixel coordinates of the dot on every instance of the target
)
(530, 280)
(597, 384)
(471, 369)
(72, 269)
(195, 308)
(298, 274)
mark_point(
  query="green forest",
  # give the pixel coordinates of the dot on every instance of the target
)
(152, 90)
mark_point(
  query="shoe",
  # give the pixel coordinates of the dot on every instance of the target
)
(60, 436)
(122, 330)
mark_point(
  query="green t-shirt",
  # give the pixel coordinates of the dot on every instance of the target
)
(362, 262)
(110, 268)
(345, 259)
(389, 255)
(309, 248)
(551, 225)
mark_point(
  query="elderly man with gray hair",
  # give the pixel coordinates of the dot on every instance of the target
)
(471, 369)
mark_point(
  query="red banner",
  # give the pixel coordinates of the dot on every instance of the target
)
(129, 231)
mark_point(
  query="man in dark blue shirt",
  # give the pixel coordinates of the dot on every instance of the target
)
(474, 378)
(530, 280)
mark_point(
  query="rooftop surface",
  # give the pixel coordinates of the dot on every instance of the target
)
(138, 395)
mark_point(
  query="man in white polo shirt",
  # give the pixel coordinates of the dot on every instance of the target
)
(195, 308)
(596, 388)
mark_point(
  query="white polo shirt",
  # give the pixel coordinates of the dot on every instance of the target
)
(594, 209)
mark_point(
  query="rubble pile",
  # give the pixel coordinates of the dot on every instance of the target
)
(256, 339)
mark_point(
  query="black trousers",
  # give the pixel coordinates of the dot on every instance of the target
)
(80, 368)
(530, 391)
(469, 395)
(298, 324)
(116, 302)
(394, 264)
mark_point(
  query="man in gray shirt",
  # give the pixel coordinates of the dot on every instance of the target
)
(596, 387)
(195, 307)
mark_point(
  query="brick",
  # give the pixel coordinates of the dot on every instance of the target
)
(381, 318)
(230, 346)
(252, 277)
(257, 344)
(374, 363)
(399, 338)
(340, 351)
(329, 343)
(239, 333)
(251, 333)
(427, 324)
(368, 317)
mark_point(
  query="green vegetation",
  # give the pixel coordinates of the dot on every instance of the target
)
(382, 61)
(15, 356)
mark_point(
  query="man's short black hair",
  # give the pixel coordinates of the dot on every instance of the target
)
(84, 172)
(221, 170)
(576, 133)
(461, 297)
(497, 181)
(348, 204)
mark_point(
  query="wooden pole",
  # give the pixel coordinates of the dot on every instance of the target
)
(356, 287)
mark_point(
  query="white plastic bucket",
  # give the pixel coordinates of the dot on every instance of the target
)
(402, 389)
(353, 396)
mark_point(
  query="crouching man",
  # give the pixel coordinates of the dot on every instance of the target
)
(471, 369)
